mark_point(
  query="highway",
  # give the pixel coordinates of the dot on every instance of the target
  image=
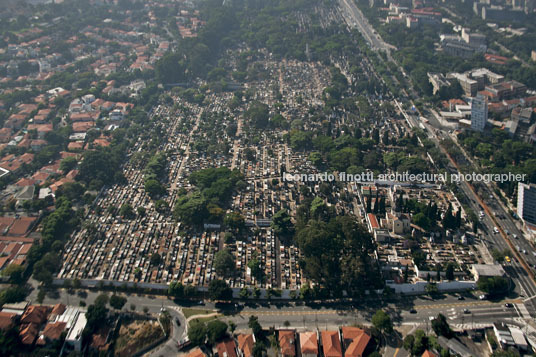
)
(523, 282)
(354, 18)
(298, 313)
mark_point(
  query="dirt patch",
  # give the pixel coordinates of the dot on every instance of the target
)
(134, 336)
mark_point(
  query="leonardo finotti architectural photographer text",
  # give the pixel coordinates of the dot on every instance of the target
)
(369, 177)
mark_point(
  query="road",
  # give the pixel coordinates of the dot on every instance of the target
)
(335, 313)
(524, 283)
(169, 348)
(354, 18)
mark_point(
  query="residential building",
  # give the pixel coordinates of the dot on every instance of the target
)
(227, 348)
(479, 113)
(287, 343)
(331, 344)
(196, 352)
(355, 341)
(245, 345)
(308, 344)
(526, 202)
(499, 13)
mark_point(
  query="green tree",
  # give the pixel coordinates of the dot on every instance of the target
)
(244, 293)
(382, 321)
(96, 316)
(127, 211)
(431, 288)
(176, 289)
(14, 273)
(9, 342)
(409, 340)
(259, 349)
(155, 259)
(154, 188)
(420, 344)
(255, 326)
(493, 285)
(441, 326)
(282, 224)
(216, 330)
(68, 164)
(234, 220)
(117, 302)
(449, 273)
(219, 290)
(224, 263)
(197, 332)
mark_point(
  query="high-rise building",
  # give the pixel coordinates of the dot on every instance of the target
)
(479, 112)
(526, 202)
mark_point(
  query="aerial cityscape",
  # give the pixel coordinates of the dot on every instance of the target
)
(254, 178)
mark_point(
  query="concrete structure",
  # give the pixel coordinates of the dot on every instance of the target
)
(479, 113)
(526, 202)
(486, 270)
(469, 85)
(503, 335)
(519, 339)
(438, 81)
(454, 346)
(499, 13)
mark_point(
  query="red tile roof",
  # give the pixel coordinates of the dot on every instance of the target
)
(245, 344)
(226, 348)
(196, 353)
(373, 221)
(308, 343)
(28, 333)
(22, 225)
(287, 342)
(35, 314)
(7, 320)
(355, 341)
(331, 344)
(54, 330)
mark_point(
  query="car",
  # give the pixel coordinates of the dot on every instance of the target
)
(431, 318)
(507, 258)
(515, 236)
(508, 305)
(412, 311)
(461, 298)
(495, 230)
(483, 297)
(466, 311)
(178, 321)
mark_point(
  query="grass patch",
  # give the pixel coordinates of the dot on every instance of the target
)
(206, 319)
(191, 312)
